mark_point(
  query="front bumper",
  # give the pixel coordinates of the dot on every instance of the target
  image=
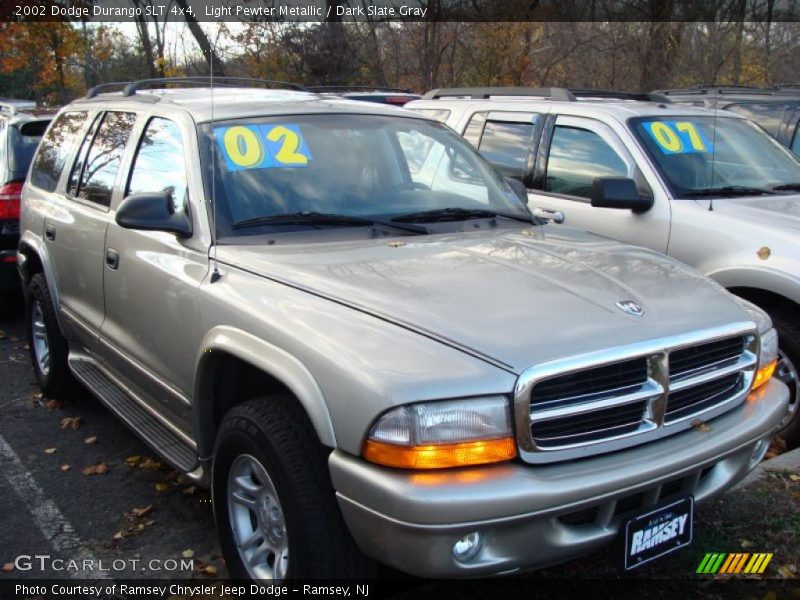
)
(534, 516)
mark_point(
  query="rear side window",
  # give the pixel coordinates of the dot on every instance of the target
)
(97, 173)
(506, 146)
(55, 148)
(577, 157)
(159, 164)
(768, 115)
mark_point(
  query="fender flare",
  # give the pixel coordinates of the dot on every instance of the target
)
(267, 358)
(30, 244)
(770, 280)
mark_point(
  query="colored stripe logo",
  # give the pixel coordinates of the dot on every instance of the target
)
(734, 563)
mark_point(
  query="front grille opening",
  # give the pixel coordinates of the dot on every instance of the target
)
(687, 361)
(594, 382)
(698, 398)
(590, 426)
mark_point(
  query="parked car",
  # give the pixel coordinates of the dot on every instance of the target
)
(20, 133)
(640, 169)
(366, 93)
(775, 108)
(378, 353)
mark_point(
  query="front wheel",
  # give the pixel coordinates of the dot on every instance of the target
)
(787, 371)
(274, 504)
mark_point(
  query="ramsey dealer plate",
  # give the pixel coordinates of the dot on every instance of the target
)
(658, 532)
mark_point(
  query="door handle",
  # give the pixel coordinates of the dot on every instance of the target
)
(548, 214)
(112, 258)
(50, 232)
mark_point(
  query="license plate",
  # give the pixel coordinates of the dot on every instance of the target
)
(658, 532)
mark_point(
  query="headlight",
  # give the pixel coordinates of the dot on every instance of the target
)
(441, 434)
(768, 356)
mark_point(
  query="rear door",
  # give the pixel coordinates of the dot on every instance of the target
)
(573, 152)
(75, 226)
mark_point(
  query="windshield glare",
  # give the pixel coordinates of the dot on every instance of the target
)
(352, 165)
(742, 155)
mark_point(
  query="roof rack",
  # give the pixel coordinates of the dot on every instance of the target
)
(482, 93)
(721, 89)
(356, 88)
(130, 88)
(612, 95)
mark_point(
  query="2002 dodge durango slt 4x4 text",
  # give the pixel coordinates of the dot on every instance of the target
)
(369, 355)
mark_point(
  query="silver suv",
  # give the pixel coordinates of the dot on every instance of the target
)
(339, 317)
(711, 190)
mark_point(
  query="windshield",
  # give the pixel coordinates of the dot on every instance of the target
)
(739, 159)
(304, 172)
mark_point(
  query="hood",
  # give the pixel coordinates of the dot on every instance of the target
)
(774, 211)
(518, 297)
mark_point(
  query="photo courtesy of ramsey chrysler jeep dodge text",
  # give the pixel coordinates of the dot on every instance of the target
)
(343, 320)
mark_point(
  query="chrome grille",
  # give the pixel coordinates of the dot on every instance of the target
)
(566, 409)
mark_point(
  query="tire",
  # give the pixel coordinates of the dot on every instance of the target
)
(788, 370)
(306, 536)
(44, 337)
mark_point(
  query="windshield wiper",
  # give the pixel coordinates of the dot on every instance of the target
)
(792, 187)
(455, 214)
(318, 218)
(729, 190)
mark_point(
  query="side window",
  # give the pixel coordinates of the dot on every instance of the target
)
(159, 164)
(796, 141)
(506, 146)
(54, 150)
(768, 115)
(577, 157)
(99, 169)
(474, 129)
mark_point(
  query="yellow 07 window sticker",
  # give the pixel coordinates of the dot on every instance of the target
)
(678, 137)
(262, 146)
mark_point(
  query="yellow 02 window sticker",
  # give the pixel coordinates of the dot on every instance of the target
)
(678, 137)
(262, 146)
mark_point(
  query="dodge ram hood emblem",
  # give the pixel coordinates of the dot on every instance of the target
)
(630, 307)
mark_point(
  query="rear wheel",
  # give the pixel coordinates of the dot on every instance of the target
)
(274, 504)
(48, 347)
(787, 371)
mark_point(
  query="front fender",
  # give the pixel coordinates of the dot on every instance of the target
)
(771, 280)
(269, 359)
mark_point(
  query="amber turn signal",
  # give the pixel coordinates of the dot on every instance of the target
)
(440, 456)
(764, 374)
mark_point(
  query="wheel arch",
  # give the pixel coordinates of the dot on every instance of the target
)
(232, 366)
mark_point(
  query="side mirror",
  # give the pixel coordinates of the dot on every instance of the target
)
(153, 211)
(519, 188)
(619, 192)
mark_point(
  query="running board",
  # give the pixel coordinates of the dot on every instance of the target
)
(130, 409)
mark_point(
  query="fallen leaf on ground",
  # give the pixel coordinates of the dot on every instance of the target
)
(161, 487)
(132, 461)
(98, 469)
(189, 490)
(140, 512)
(787, 571)
(188, 553)
(746, 544)
(8, 567)
(149, 463)
(53, 404)
(90, 440)
(65, 467)
(70, 423)
(49, 450)
(119, 535)
(794, 477)
(2, 334)
(208, 570)
(701, 425)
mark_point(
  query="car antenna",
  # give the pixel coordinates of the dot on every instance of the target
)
(215, 272)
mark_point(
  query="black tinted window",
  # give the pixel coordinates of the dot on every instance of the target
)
(768, 115)
(54, 150)
(159, 163)
(577, 157)
(506, 146)
(103, 159)
(23, 141)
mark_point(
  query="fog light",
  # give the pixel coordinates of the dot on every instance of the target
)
(759, 451)
(467, 547)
